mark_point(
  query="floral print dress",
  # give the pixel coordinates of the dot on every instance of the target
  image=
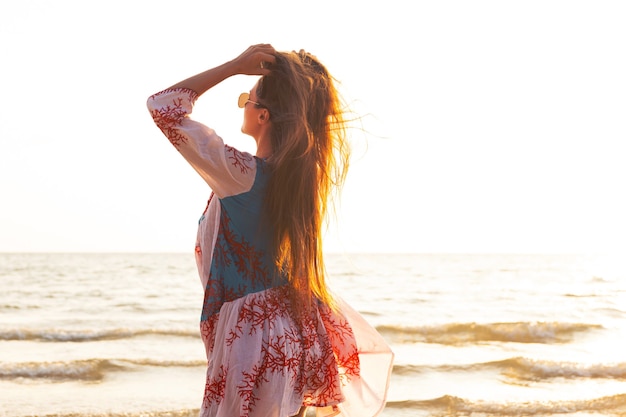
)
(261, 361)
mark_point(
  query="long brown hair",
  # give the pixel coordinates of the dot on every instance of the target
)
(309, 162)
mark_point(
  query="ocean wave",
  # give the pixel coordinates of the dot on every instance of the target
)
(59, 335)
(82, 370)
(12, 307)
(520, 368)
(464, 333)
(536, 370)
(438, 407)
(454, 406)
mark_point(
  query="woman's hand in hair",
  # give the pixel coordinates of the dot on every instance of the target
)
(256, 60)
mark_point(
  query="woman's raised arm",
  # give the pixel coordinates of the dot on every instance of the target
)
(253, 61)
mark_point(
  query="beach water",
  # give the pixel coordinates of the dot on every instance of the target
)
(86, 335)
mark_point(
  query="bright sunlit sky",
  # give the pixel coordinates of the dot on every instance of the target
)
(490, 126)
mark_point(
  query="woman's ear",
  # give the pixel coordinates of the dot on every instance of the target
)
(264, 116)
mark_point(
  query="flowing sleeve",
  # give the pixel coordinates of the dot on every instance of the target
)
(225, 169)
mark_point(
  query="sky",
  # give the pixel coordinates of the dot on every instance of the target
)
(485, 126)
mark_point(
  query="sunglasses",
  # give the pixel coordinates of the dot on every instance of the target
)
(244, 98)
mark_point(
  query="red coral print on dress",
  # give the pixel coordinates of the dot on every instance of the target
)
(170, 117)
(207, 332)
(344, 343)
(233, 251)
(239, 159)
(214, 389)
(316, 359)
(251, 381)
(246, 257)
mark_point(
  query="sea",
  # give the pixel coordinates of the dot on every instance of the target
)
(116, 335)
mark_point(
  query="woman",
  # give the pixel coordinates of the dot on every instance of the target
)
(276, 341)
